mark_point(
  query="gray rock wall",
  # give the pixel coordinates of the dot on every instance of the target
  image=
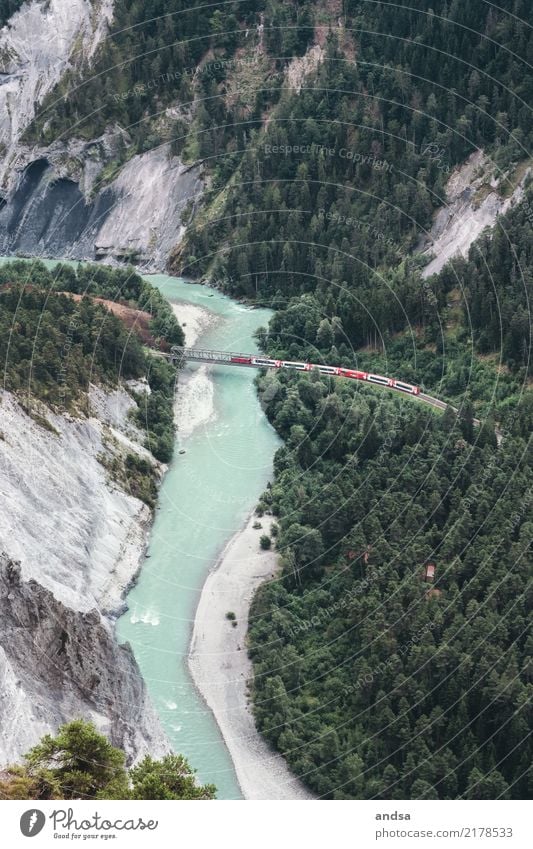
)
(77, 539)
(57, 664)
(54, 208)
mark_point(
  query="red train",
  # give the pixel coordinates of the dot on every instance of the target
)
(266, 362)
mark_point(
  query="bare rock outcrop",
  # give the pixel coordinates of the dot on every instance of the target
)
(72, 540)
(474, 200)
(56, 204)
(39, 43)
(56, 664)
(56, 200)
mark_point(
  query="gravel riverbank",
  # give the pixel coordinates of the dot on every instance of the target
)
(221, 668)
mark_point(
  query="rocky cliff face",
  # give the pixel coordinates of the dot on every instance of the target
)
(56, 201)
(37, 45)
(56, 664)
(78, 539)
(474, 200)
(86, 549)
(55, 204)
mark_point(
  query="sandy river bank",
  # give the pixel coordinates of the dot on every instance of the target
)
(221, 668)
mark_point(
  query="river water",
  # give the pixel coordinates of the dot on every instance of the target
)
(205, 498)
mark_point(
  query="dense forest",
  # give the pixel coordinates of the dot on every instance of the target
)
(373, 680)
(424, 329)
(333, 194)
(37, 327)
(52, 346)
(81, 763)
(147, 63)
(412, 98)
(497, 282)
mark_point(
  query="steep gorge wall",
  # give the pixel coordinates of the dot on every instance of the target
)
(56, 201)
(71, 540)
(53, 208)
(57, 664)
(71, 543)
(37, 45)
(474, 201)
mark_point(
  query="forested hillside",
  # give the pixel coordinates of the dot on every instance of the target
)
(424, 329)
(350, 167)
(334, 193)
(53, 347)
(372, 680)
(497, 281)
(147, 63)
(397, 81)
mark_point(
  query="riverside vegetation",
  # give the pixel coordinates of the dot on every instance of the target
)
(404, 690)
(53, 346)
(371, 682)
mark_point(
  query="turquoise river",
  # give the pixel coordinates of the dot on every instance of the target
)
(205, 497)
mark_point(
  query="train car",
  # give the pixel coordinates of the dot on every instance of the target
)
(406, 387)
(353, 374)
(325, 369)
(265, 362)
(242, 360)
(380, 379)
(297, 366)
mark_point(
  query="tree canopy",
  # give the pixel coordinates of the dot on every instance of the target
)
(80, 763)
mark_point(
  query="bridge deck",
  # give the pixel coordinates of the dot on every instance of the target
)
(203, 355)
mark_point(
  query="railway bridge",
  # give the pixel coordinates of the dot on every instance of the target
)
(202, 355)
